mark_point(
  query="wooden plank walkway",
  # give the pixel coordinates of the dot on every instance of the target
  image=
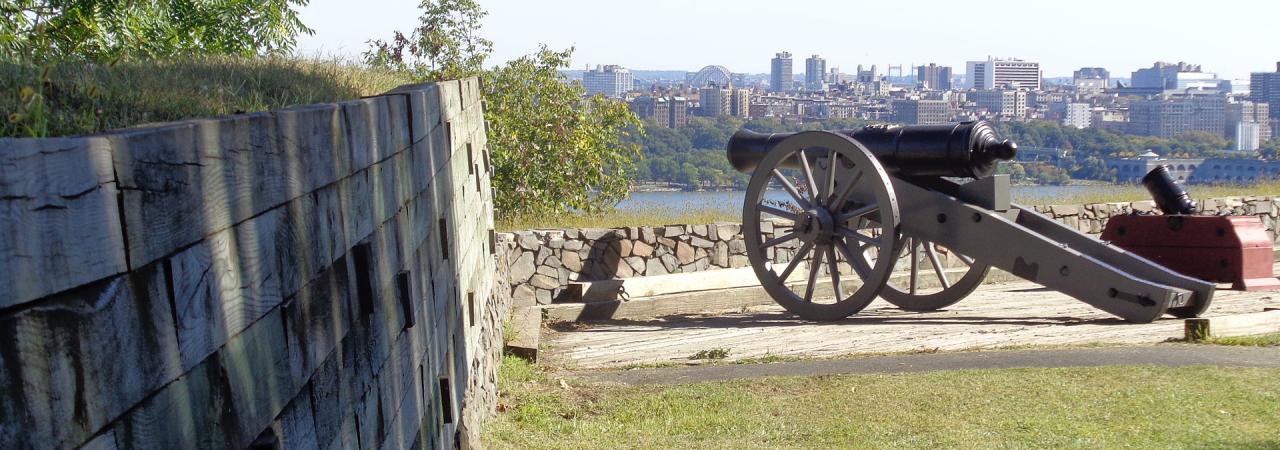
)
(998, 315)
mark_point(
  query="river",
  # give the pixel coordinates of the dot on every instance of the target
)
(732, 200)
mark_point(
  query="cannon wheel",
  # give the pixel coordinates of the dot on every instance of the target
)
(842, 183)
(945, 288)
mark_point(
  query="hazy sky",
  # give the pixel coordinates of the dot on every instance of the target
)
(1230, 37)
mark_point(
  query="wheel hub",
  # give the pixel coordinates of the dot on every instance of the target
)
(816, 225)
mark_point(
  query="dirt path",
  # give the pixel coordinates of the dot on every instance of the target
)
(1002, 315)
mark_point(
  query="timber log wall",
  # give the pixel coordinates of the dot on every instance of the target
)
(314, 277)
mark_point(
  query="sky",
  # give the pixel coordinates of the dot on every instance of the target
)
(1228, 37)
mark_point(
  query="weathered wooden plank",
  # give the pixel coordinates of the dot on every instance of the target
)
(256, 363)
(187, 180)
(1233, 325)
(195, 411)
(103, 441)
(59, 220)
(370, 422)
(331, 236)
(450, 99)
(395, 378)
(76, 361)
(526, 324)
(610, 290)
(404, 427)
(355, 196)
(296, 427)
(224, 284)
(317, 320)
(299, 244)
(314, 141)
(378, 128)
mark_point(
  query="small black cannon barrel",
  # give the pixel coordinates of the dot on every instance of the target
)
(968, 150)
(1169, 196)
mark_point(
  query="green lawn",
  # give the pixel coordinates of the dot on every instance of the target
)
(1261, 340)
(1107, 407)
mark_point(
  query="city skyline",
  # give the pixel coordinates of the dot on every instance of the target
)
(1089, 33)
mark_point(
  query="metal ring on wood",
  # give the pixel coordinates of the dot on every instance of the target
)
(830, 181)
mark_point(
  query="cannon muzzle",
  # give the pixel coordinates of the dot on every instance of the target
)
(1171, 198)
(967, 150)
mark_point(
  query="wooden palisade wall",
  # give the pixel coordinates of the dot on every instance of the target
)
(317, 277)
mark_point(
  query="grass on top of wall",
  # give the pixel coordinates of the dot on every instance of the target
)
(78, 97)
(653, 214)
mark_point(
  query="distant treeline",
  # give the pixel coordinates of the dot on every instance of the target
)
(693, 156)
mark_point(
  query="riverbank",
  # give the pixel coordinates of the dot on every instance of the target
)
(662, 207)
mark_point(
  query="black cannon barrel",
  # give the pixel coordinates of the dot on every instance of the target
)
(968, 149)
(1169, 196)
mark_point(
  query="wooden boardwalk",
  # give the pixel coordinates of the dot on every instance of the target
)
(997, 315)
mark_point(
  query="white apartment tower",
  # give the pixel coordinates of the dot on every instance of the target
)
(1004, 74)
(610, 81)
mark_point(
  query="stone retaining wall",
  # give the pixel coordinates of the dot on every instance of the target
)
(543, 262)
(315, 277)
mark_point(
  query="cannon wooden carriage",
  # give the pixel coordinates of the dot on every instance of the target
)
(848, 206)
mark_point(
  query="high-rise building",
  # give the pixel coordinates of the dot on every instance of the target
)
(921, 112)
(656, 109)
(610, 81)
(1079, 115)
(1178, 115)
(714, 101)
(815, 68)
(1004, 103)
(679, 111)
(934, 77)
(1091, 80)
(867, 76)
(1004, 74)
(740, 104)
(780, 76)
(1264, 87)
(1247, 122)
(1180, 76)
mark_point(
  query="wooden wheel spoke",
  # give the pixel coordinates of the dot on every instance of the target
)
(778, 212)
(851, 234)
(779, 240)
(791, 189)
(795, 261)
(857, 213)
(833, 163)
(845, 191)
(937, 265)
(834, 266)
(915, 266)
(814, 267)
(966, 259)
(859, 262)
(808, 178)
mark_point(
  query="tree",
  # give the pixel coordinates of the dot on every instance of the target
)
(109, 29)
(553, 151)
(443, 47)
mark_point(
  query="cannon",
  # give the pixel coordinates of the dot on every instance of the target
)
(829, 214)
